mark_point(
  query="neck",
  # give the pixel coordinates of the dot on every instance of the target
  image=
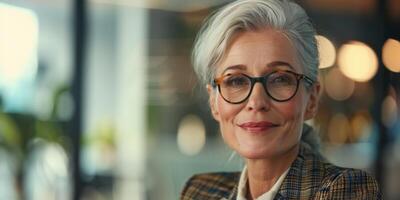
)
(264, 173)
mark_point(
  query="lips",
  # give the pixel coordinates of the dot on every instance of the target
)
(257, 127)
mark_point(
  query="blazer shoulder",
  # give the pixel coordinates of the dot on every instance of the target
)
(210, 185)
(348, 183)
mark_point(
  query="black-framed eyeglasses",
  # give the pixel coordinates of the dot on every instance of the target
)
(280, 85)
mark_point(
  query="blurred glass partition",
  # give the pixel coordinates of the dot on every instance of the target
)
(114, 150)
(35, 74)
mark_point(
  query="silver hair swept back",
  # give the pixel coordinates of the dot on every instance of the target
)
(250, 15)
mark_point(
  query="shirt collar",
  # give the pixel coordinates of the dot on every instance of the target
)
(269, 195)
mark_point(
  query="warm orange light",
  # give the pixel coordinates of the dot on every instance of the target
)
(338, 129)
(391, 55)
(338, 86)
(357, 61)
(327, 52)
(361, 126)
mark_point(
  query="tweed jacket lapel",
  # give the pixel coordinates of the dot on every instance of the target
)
(232, 195)
(304, 177)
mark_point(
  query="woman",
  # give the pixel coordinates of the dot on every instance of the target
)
(259, 60)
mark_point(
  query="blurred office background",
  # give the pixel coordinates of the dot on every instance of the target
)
(99, 100)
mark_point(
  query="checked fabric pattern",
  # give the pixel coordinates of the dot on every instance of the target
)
(310, 177)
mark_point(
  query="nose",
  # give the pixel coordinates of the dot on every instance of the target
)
(258, 99)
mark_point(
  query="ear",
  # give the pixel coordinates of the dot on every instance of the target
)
(212, 101)
(313, 101)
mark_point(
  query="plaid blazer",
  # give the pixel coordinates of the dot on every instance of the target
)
(309, 177)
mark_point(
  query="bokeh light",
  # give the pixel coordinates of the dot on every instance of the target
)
(191, 135)
(19, 40)
(327, 52)
(391, 55)
(361, 126)
(338, 86)
(357, 61)
(338, 129)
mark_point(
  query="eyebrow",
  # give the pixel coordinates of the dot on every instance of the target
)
(280, 63)
(242, 67)
(269, 65)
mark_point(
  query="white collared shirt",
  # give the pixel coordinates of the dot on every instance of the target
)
(269, 195)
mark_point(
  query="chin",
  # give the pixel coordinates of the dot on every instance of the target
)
(268, 151)
(252, 153)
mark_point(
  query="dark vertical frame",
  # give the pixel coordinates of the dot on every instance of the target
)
(79, 54)
(382, 89)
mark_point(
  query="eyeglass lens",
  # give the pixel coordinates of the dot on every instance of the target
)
(280, 86)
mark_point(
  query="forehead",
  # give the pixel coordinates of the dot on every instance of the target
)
(255, 50)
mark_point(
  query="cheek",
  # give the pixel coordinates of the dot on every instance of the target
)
(227, 111)
(293, 110)
(227, 119)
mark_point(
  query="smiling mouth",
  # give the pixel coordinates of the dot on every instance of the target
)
(257, 127)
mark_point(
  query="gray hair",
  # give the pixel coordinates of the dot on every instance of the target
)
(248, 15)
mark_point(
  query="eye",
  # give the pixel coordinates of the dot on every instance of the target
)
(235, 80)
(281, 79)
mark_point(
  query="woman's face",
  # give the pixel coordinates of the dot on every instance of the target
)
(261, 127)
